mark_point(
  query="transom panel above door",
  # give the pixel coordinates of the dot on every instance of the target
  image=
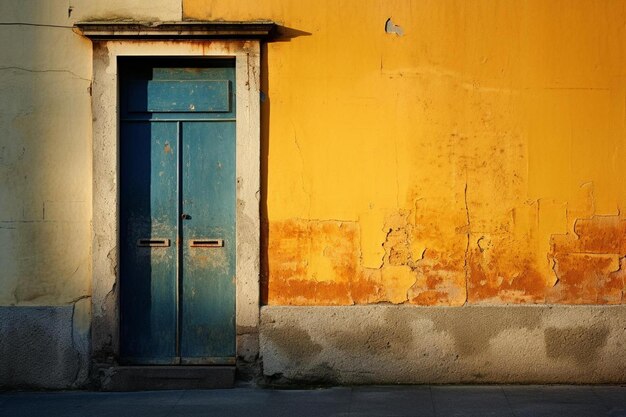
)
(177, 211)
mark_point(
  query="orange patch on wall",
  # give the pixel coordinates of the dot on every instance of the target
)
(590, 264)
(441, 279)
(314, 262)
(587, 279)
(292, 280)
(504, 277)
(598, 235)
(297, 248)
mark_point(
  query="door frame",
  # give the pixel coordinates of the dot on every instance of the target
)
(105, 215)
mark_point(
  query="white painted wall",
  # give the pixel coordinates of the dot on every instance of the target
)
(45, 144)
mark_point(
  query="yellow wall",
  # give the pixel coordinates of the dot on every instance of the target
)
(476, 158)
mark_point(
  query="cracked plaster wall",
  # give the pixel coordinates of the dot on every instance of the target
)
(474, 159)
(45, 185)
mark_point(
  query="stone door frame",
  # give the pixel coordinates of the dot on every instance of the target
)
(109, 45)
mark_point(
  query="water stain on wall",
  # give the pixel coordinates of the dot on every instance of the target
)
(294, 342)
(370, 339)
(471, 336)
(579, 344)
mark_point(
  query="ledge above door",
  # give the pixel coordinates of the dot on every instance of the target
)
(199, 30)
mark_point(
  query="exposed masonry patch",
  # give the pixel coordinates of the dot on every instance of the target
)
(391, 27)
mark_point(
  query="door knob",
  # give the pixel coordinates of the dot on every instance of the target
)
(185, 216)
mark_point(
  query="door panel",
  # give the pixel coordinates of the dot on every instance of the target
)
(208, 270)
(181, 96)
(177, 185)
(149, 202)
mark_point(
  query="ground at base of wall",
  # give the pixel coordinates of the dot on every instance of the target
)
(430, 401)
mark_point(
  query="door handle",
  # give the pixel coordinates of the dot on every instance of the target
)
(185, 216)
(206, 243)
(154, 243)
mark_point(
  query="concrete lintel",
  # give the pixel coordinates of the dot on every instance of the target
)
(384, 344)
(176, 30)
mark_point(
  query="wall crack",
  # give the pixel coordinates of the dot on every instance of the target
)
(77, 348)
(43, 25)
(44, 71)
(297, 143)
(466, 255)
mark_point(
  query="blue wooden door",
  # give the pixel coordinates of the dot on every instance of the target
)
(177, 212)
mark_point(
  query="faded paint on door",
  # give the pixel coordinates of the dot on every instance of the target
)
(177, 212)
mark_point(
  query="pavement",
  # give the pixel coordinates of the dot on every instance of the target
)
(422, 400)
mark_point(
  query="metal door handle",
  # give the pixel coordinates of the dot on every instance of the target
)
(206, 243)
(154, 243)
(185, 216)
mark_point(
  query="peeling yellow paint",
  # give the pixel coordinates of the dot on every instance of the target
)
(456, 151)
(476, 158)
(396, 280)
(372, 237)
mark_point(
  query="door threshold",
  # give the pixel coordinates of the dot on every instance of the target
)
(168, 377)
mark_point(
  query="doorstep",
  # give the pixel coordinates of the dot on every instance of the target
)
(143, 378)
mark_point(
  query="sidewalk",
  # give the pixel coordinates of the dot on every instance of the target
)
(518, 401)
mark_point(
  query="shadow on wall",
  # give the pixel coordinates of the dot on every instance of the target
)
(283, 34)
(45, 155)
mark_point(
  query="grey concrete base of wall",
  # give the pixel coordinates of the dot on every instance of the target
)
(44, 347)
(383, 344)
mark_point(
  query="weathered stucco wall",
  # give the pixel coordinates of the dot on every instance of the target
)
(45, 185)
(471, 154)
(476, 158)
(45, 157)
